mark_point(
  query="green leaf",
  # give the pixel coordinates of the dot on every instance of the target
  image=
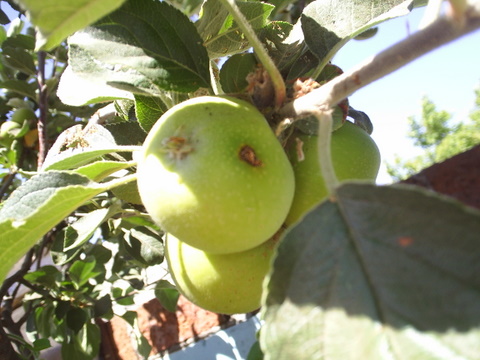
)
(148, 110)
(328, 25)
(127, 133)
(36, 207)
(282, 48)
(221, 35)
(56, 19)
(103, 307)
(84, 345)
(143, 347)
(255, 352)
(144, 246)
(22, 41)
(20, 87)
(77, 146)
(19, 59)
(41, 344)
(167, 294)
(233, 74)
(145, 47)
(382, 273)
(82, 270)
(47, 275)
(81, 231)
(99, 170)
(123, 296)
(4, 20)
(76, 318)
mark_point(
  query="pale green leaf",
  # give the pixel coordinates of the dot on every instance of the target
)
(99, 170)
(36, 207)
(328, 25)
(78, 146)
(57, 19)
(82, 89)
(82, 230)
(382, 273)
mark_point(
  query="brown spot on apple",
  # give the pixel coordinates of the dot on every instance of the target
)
(248, 155)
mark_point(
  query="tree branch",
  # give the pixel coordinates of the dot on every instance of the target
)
(440, 32)
(42, 104)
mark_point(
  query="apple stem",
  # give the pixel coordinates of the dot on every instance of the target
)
(325, 126)
(260, 51)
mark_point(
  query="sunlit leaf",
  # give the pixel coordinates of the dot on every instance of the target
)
(77, 146)
(36, 207)
(328, 25)
(57, 19)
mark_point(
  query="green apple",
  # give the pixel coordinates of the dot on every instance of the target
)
(355, 156)
(222, 283)
(213, 174)
(22, 114)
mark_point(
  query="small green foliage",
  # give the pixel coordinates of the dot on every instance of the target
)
(438, 138)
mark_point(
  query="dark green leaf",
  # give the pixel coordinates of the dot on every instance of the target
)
(19, 59)
(20, 87)
(167, 294)
(283, 50)
(148, 110)
(21, 41)
(4, 20)
(41, 344)
(383, 272)
(233, 74)
(61, 309)
(255, 352)
(47, 275)
(144, 47)
(76, 318)
(101, 254)
(221, 35)
(144, 246)
(127, 133)
(103, 307)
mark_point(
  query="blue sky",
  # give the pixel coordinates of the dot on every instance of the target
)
(448, 76)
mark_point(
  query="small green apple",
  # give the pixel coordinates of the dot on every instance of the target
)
(213, 174)
(355, 156)
(22, 114)
(222, 283)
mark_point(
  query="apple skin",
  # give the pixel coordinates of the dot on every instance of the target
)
(213, 174)
(355, 156)
(221, 283)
